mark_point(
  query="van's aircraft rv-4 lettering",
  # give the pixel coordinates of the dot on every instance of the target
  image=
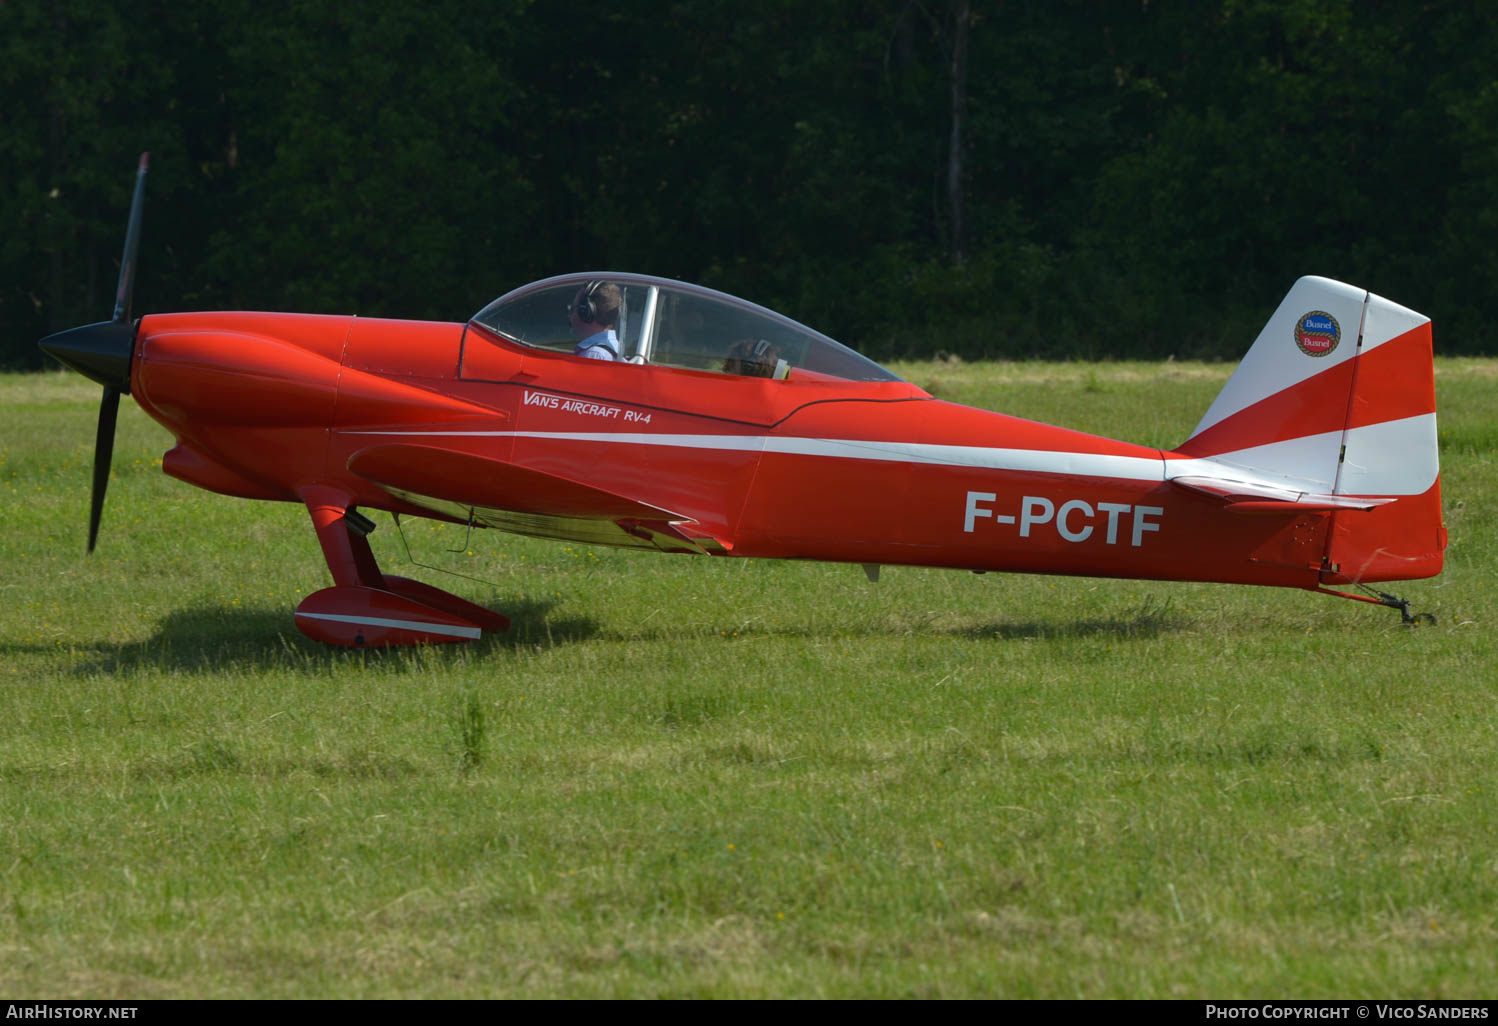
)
(729, 430)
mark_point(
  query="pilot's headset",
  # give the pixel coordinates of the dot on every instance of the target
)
(585, 309)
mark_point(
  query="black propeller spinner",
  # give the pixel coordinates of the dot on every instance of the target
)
(102, 353)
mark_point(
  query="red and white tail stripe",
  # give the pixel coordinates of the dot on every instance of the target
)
(1337, 396)
(1337, 393)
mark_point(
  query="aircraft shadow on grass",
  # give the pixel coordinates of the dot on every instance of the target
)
(1148, 621)
(208, 638)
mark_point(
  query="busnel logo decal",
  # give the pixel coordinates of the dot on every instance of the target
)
(1317, 333)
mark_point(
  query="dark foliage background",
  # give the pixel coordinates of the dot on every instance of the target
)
(1129, 179)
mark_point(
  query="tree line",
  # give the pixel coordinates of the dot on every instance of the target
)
(1056, 178)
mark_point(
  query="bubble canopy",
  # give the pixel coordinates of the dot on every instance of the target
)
(668, 323)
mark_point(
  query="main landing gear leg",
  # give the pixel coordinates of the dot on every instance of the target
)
(1383, 598)
(368, 609)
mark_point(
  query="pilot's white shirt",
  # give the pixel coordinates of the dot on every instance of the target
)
(601, 345)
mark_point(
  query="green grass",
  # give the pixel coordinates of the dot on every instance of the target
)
(698, 777)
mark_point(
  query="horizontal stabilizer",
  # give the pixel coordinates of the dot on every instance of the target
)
(1259, 497)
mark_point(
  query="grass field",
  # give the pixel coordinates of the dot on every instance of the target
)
(698, 777)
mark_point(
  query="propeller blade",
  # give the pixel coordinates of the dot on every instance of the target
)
(109, 411)
(124, 292)
(103, 352)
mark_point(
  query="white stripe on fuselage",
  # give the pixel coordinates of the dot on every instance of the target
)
(1272, 465)
(1045, 461)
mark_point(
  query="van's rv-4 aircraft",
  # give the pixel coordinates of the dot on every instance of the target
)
(726, 429)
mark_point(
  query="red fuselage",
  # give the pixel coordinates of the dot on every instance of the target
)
(266, 405)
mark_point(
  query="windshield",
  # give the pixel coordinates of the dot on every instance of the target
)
(672, 324)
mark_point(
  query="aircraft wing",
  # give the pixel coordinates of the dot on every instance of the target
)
(513, 498)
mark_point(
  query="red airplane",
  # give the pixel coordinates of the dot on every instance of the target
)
(623, 409)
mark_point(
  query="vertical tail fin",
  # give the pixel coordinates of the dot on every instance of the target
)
(1337, 397)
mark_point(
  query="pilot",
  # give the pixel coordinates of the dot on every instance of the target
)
(753, 357)
(592, 315)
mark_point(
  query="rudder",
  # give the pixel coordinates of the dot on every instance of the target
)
(1337, 397)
